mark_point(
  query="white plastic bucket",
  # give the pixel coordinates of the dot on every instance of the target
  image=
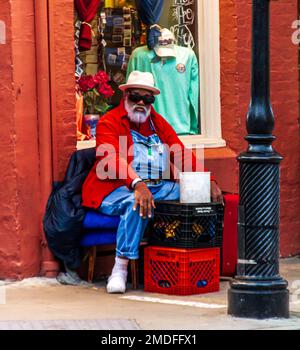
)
(194, 187)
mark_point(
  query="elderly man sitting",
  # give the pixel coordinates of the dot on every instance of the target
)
(128, 176)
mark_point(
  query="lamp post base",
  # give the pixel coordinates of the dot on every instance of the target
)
(258, 299)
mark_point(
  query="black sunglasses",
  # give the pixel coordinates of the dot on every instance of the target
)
(136, 97)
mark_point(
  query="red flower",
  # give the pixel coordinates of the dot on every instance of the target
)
(95, 90)
(86, 83)
(101, 77)
(105, 90)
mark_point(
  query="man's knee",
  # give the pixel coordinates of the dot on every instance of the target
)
(127, 204)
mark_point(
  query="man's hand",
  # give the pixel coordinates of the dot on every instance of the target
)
(216, 193)
(143, 198)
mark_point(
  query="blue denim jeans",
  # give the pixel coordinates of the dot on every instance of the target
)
(132, 226)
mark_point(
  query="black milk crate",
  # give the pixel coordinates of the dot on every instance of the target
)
(187, 225)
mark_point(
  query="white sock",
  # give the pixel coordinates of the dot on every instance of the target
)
(118, 278)
(120, 267)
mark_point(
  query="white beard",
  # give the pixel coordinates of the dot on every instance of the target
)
(137, 116)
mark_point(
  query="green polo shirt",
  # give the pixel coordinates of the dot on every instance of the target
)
(178, 81)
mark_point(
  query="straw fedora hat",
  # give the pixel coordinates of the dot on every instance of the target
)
(140, 80)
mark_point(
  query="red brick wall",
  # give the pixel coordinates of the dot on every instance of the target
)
(61, 18)
(235, 95)
(20, 236)
(285, 97)
(231, 125)
(20, 195)
(7, 200)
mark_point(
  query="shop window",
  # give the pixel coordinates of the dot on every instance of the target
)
(180, 16)
(195, 23)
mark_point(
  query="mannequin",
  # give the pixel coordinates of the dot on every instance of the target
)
(176, 73)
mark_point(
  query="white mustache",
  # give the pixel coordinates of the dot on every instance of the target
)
(135, 106)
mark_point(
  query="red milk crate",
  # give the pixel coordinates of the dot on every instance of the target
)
(181, 271)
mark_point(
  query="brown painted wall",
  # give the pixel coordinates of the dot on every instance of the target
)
(235, 84)
(19, 163)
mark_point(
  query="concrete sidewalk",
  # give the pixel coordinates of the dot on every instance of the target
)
(66, 307)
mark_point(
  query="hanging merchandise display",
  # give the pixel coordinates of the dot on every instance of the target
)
(149, 10)
(78, 63)
(176, 73)
(120, 33)
(149, 13)
(86, 10)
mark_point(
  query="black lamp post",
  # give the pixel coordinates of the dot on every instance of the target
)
(257, 290)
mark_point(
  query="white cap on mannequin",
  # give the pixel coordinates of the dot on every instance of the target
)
(165, 45)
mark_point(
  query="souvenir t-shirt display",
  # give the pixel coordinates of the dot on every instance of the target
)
(176, 73)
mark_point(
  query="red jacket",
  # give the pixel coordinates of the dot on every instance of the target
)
(111, 126)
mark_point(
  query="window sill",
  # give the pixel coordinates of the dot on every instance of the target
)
(199, 141)
(190, 141)
(85, 144)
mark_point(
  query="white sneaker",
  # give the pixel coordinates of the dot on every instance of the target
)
(116, 284)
